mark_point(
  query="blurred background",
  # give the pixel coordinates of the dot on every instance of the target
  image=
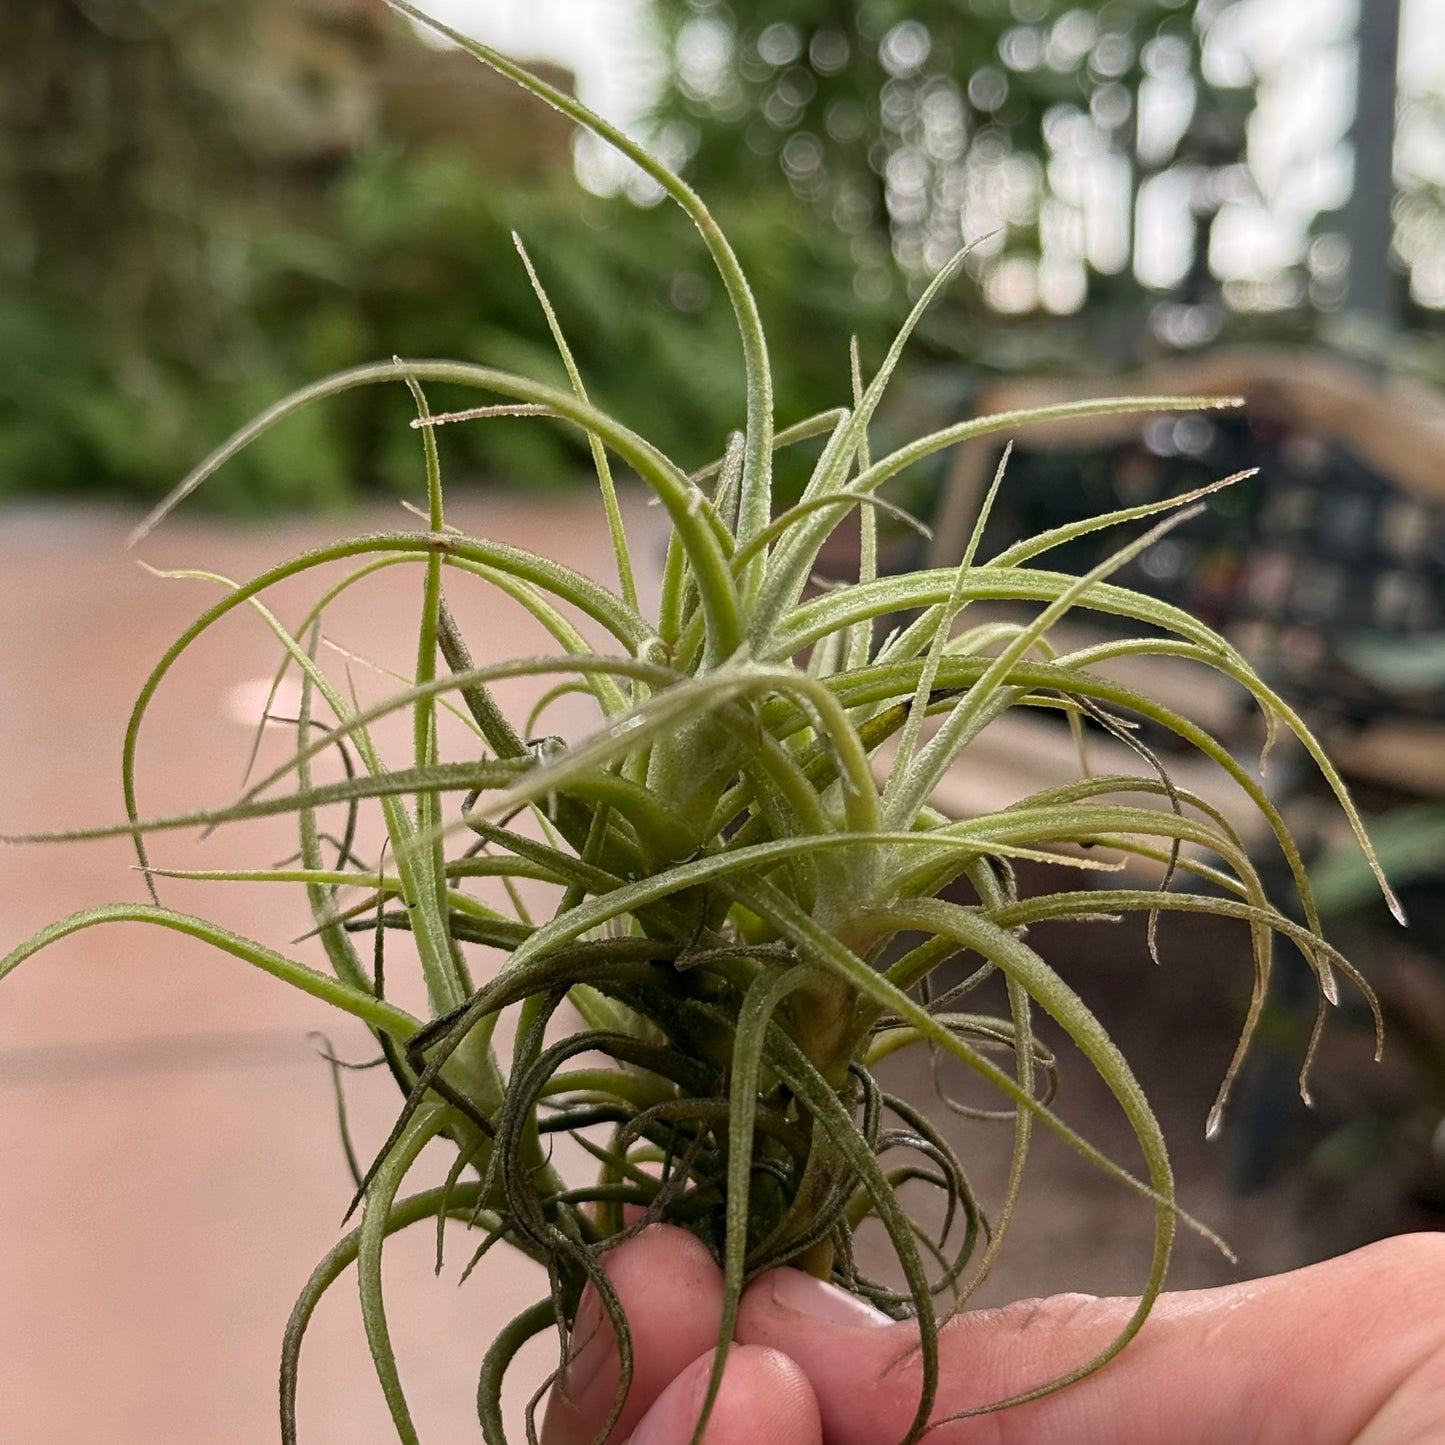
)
(204, 205)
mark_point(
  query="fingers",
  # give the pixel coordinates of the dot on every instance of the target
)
(671, 1292)
(764, 1396)
(866, 1371)
(1352, 1350)
(845, 1348)
(1324, 1354)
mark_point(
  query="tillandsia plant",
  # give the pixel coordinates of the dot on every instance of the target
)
(746, 872)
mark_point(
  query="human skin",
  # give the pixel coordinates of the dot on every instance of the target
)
(1348, 1352)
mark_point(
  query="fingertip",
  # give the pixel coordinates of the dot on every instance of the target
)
(764, 1395)
(670, 1290)
(859, 1363)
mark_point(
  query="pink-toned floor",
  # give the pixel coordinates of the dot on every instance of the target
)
(170, 1167)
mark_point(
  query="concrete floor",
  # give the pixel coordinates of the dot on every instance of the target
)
(171, 1165)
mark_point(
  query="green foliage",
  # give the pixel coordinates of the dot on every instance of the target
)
(405, 260)
(1410, 842)
(747, 874)
(904, 123)
(224, 284)
(413, 267)
(122, 314)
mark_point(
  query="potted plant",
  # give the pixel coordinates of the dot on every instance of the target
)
(746, 871)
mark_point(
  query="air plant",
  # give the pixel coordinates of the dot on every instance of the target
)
(747, 875)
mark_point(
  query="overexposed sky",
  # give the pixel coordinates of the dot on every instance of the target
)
(604, 43)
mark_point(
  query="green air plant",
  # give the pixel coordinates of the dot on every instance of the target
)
(745, 868)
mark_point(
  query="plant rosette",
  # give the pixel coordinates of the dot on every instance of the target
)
(744, 866)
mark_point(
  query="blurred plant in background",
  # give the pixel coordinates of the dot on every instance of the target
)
(201, 204)
(1025, 127)
(1138, 162)
(420, 261)
(117, 167)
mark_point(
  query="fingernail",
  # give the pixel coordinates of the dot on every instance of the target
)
(805, 1295)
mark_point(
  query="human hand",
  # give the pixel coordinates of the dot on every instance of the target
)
(1348, 1352)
